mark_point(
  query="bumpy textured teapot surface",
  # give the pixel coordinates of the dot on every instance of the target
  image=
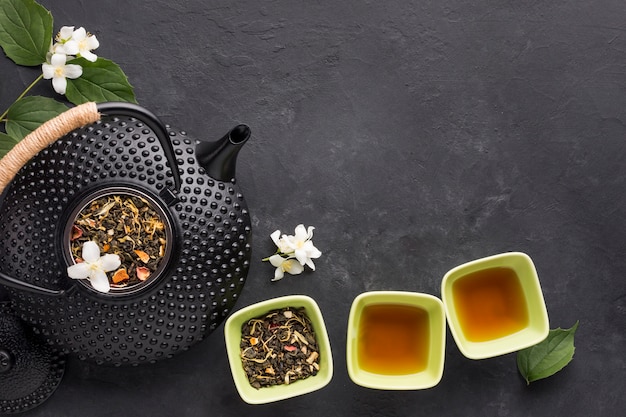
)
(208, 249)
(30, 371)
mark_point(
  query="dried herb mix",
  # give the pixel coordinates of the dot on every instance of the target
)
(279, 347)
(125, 225)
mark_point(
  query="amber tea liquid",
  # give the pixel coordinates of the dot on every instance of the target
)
(393, 339)
(490, 304)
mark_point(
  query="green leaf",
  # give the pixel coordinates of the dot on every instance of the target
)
(26, 114)
(547, 357)
(6, 143)
(25, 31)
(101, 81)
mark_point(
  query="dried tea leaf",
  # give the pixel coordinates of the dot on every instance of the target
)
(549, 356)
(312, 357)
(106, 208)
(299, 336)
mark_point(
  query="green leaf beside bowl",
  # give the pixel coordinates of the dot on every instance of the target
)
(549, 356)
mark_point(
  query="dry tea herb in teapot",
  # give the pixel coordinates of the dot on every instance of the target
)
(279, 348)
(127, 226)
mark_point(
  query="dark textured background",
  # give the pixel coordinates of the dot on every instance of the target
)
(415, 136)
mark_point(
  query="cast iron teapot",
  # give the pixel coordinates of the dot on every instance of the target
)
(112, 149)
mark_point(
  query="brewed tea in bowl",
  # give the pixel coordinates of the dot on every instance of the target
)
(494, 305)
(396, 340)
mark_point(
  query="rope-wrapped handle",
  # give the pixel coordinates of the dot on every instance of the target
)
(43, 136)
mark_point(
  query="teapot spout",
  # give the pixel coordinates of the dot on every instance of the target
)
(219, 158)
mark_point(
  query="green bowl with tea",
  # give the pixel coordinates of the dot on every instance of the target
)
(278, 349)
(495, 305)
(396, 340)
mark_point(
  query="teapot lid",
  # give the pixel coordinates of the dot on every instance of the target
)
(30, 370)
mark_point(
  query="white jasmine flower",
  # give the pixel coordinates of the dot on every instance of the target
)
(302, 246)
(58, 70)
(65, 34)
(95, 267)
(288, 265)
(80, 43)
(281, 242)
(294, 252)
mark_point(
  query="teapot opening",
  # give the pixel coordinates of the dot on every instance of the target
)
(239, 134)
(219, 158)
(125, 223)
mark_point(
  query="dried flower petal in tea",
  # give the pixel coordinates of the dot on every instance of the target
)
(279, 347)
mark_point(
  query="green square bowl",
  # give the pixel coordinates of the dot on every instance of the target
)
(431, 374)
(232, 336)
(537, 325)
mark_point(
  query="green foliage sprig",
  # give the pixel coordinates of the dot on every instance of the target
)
(26, 37)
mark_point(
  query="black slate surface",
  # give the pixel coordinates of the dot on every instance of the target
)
(415, 136)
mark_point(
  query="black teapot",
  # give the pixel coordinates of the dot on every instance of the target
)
(123, 149)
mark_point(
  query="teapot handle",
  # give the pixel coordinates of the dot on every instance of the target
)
(76, 117)
(159, 129)
(11, 282)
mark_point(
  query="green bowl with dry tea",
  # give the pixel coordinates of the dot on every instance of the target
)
(278, 349)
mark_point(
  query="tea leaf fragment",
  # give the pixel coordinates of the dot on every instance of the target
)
(549, 356)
